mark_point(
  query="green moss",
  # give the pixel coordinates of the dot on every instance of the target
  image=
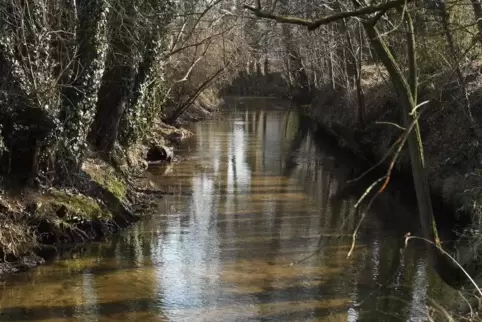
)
(107, 179)
(72, 207)
(114, 185)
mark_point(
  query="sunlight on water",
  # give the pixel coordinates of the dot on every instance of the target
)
(261, 236)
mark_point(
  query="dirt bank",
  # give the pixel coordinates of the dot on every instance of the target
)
(97, 204)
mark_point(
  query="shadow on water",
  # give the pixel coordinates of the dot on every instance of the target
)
(260, 233)
(396, 208)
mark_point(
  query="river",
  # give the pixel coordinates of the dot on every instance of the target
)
(260, 232)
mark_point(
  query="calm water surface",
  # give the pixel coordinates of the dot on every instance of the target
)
(259, 234)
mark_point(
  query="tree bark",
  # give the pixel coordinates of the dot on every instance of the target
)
(80, 96)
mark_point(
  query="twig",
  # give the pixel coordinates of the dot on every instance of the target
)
(361, 220)
(408, 237)
(393, 124)
(441, 309)
(367, 191)
(387, 180)
(468, 303)
(378, 163)
(416, 107)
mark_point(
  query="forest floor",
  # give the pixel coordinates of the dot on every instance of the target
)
(105, 197)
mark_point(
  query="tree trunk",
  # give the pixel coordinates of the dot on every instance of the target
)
(407, 94)
(331, 68)
(80, 97)
(354, 72)
(117, 84)
(130, 124)
(178, 112)
(113, 100)
(266, 66)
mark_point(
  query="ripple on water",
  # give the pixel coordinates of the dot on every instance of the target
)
(257, 235)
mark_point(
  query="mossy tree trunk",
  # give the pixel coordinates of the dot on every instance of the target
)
(132, 92)
(118, 80)
(80, 95)
(133, 118)
(148, 87)
(49, 84)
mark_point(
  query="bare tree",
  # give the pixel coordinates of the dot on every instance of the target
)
(204, 47)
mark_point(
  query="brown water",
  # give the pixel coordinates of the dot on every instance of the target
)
(258, 234)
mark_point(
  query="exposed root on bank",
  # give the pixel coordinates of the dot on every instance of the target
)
(16, 238)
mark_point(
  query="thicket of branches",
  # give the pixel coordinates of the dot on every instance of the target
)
(331, 55)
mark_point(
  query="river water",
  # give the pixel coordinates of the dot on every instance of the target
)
(260, 232)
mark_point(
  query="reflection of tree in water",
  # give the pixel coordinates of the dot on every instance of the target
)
(377, 283)
(384, 293)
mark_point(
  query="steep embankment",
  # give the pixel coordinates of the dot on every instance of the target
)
(452, 150)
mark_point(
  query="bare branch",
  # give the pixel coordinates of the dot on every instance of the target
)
(193, 65)
(314, 24)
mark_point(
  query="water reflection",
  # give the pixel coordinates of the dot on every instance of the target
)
(262, 236)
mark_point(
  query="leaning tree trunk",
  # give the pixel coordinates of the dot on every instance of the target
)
(182, 108)
(407, 94)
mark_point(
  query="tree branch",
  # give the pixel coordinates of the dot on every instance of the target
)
(314, 24)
